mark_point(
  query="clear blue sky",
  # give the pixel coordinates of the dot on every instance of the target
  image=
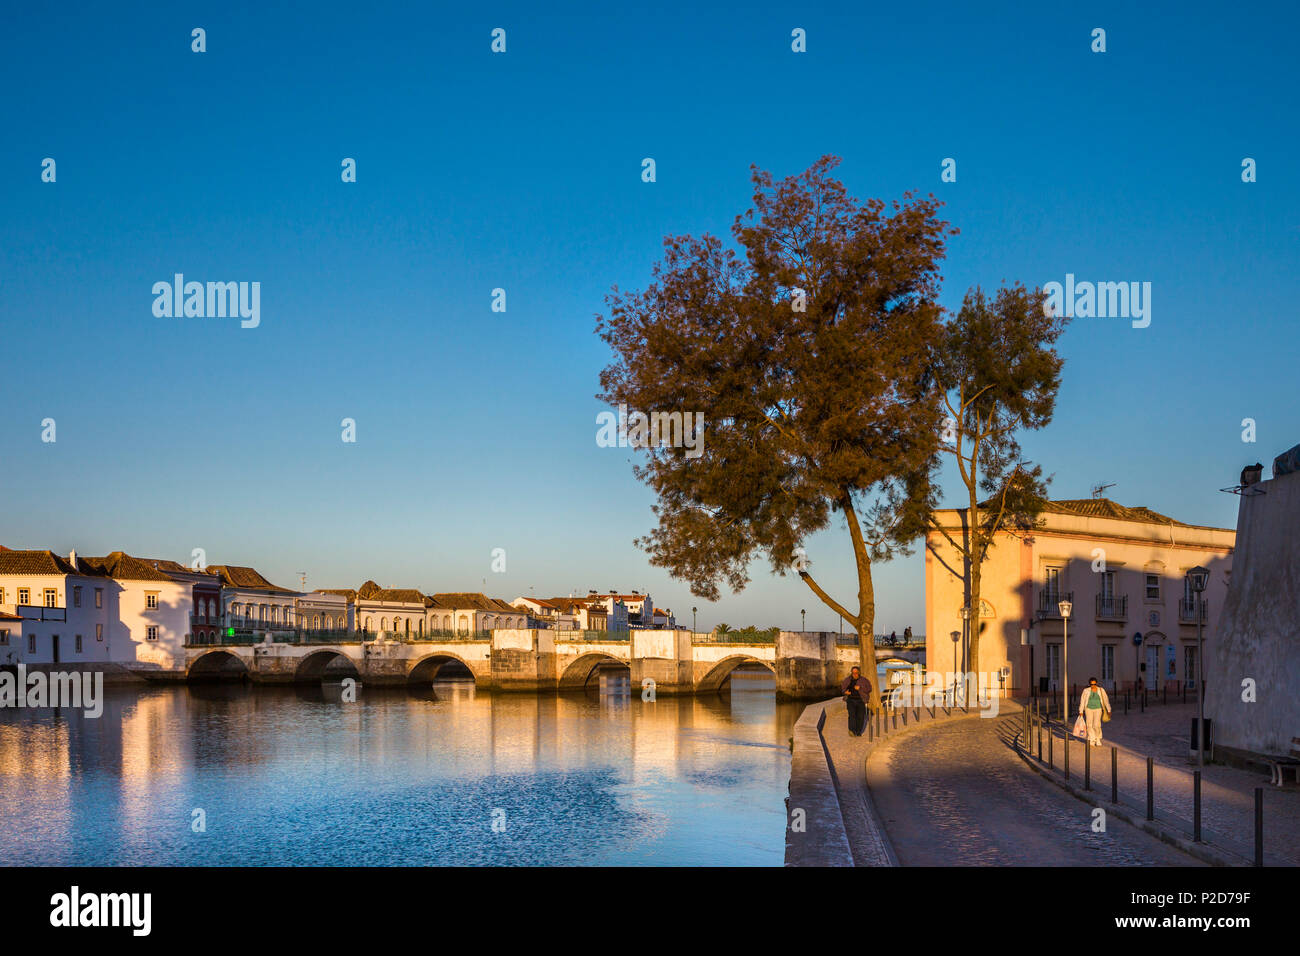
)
(476, 430)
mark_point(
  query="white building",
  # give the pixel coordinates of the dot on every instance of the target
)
(325, 611)
(463, 612)
(149, 612)
(54, 610)
(252, 603)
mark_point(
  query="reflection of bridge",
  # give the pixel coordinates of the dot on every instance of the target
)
(804, 664)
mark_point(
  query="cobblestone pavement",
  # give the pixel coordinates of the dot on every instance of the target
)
(956, 794)
(1227, 794)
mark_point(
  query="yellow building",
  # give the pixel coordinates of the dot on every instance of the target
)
(1133, 615)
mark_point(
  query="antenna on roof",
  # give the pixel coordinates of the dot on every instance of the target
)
(1099, 491)
(302, 576)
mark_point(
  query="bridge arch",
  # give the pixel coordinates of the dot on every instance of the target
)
(426, 669)
(718, 674)
(313, 667)
(216, 665)
(578, 673)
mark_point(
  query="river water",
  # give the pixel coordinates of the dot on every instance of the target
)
(232, 775)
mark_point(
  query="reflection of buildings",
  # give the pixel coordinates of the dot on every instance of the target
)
(1123, 569)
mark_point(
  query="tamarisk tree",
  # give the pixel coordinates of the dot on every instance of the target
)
(808, 351)
(999, 374)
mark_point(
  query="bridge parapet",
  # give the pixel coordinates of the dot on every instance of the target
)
(806, 664)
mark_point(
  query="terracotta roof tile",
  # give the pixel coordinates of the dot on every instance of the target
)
(239, 577)
(124, 567)
(33, 562)
(471, 601)
(404, 595)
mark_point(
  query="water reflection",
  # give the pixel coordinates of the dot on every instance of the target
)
(300, 776)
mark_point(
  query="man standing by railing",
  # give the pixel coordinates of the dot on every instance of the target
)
(857, 692)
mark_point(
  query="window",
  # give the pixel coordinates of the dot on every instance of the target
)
(24, 596)
(4, 637)
(1108, 662)
(31, 643)
(51, 597)
(151, 633)
(76, 596)
(78, 643)
(1053, 663)
(151, 600)
(99, 632)
(1189, 665)
(1107, 587)
(1189, 596)
(1053, 584)
(1153, 587)
(2, 595)
(99, 597)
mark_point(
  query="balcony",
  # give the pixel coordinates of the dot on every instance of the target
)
(1048, 601)
(205, 620)
(1187, 611)
(1112, 607)
(34, 612)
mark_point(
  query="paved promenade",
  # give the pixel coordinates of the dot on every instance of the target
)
(957, 794)
(1227, 794)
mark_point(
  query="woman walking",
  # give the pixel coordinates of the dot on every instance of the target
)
(1092, 704)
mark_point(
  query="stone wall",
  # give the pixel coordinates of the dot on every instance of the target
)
(1258, 639)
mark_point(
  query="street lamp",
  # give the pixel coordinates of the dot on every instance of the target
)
(965, 646)
(1199, 577)
(956, 636)
(693, 610)
(803, 620)
(1065, 607)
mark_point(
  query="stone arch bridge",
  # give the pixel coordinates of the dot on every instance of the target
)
(805, 664)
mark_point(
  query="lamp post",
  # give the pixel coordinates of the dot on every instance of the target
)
(693, 610)
(1199, 577)
(1065, 607)
(965, 647)
(803, 620)
(956, 636)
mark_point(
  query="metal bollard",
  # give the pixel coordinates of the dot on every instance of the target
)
(1114, 775)
(1259, 826)
(1151, 790)
(1125, 703)
(1050, 738)
(1065, 750)
(1040, 740)
(1087, 767)
(1196, 806)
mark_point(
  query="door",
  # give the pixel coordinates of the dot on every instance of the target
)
(1153, 666)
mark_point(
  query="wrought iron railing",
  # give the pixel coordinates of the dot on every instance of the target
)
(589, 635)
(36, 612)
(1187, 610)
(735, 637)
(1049, 603)
(1111, 607)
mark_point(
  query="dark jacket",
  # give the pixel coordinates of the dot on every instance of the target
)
(864, 687)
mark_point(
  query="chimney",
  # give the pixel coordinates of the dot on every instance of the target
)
(72, 560)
